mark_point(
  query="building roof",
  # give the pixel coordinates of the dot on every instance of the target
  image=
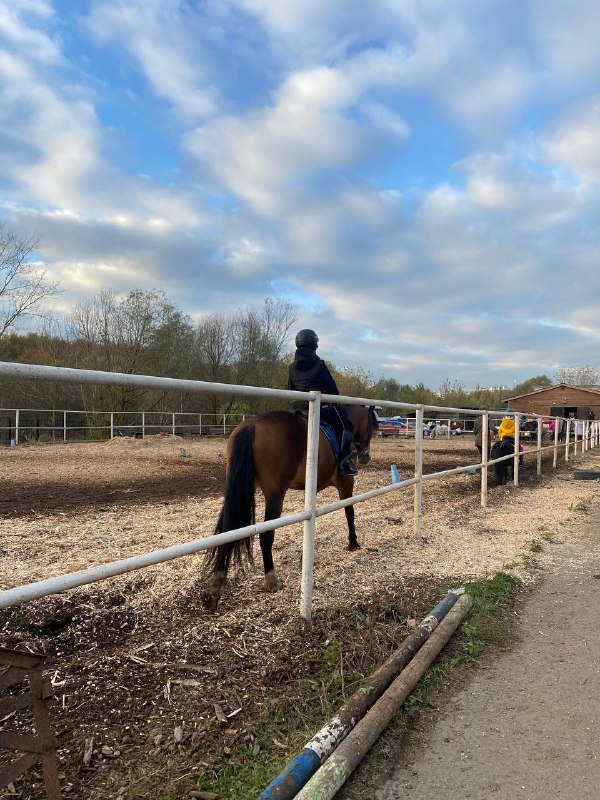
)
(595, 392)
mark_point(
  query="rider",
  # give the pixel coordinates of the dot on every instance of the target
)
(309, 373)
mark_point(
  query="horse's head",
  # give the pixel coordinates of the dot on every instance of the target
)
(365, 422)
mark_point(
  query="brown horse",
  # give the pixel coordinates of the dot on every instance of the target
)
(270, 450)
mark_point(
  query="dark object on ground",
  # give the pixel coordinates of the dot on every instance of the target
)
(586, 475)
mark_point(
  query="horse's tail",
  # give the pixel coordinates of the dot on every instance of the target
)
(239, 505)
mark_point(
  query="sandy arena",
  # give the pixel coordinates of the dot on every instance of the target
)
(137, 664)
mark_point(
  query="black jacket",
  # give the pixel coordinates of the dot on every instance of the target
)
(309, 373)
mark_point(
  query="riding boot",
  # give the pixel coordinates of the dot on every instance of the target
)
(345, 467)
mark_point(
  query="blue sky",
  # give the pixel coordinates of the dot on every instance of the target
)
(420, 179)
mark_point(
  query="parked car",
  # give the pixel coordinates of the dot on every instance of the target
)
(391, 427)
(397, 426)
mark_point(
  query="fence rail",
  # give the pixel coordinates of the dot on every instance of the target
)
(585, 434)
(52, 425)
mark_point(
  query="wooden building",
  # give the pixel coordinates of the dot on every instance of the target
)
(560, 400)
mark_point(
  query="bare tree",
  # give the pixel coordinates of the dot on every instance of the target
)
(121, 334)
(583, 375)
(262, 337)
(23, 286)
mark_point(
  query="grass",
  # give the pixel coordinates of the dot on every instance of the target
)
(535, 546)
(581, 506)
(353, 642)
(546, 533)
(485, 627)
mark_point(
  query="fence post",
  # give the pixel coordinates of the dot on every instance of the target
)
(418, 494)
(575, 435)
(199, 424)
(143, 424)
(485, 449)
(17, 423)
(224, 424)
(539, 445)
(567, 439)
(112, 425)
(310, 504)
(557, 424)
(517, 454)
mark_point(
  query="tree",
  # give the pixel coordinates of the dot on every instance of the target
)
(121, 334)
(583, 375)
(452, 394)
(387, 389)
(261, 340)
(216, 345)
(23, 286)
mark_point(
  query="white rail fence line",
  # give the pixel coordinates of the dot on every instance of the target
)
(25, 424)
(589, 438)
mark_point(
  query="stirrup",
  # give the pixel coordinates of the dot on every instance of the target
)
(346, 468)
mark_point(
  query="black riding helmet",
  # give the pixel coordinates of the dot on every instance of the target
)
(307, 338)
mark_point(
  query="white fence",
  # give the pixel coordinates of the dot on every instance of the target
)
(39, 425)
(587, 436)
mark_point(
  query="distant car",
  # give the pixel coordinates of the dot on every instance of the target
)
(395, 426)
(391, 427)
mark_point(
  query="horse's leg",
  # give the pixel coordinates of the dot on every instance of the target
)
(345, 487)
(272, 511)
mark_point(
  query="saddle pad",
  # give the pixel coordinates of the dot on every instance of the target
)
(331, 438)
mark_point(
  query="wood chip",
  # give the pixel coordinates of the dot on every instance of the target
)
(88, 752)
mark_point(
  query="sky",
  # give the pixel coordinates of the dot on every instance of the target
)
(419, 178)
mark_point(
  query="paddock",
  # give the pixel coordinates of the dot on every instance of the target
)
(138, 666)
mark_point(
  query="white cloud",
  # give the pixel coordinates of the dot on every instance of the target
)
(574, 141)
(23, 37)
(567, 36)
(165, 39)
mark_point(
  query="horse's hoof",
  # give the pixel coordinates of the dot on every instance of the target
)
(212, 593)
(272, 582)
(210, 601)
(352, 547)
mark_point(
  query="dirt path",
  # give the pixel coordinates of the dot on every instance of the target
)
(528, 724)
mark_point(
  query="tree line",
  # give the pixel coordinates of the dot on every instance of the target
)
(143, 333)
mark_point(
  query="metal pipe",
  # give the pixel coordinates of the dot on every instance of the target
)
(517, 448)
(539, 446)
(310, 504)
(342, 763)
(289, 782)
(418, 494)
(33, 591)
(485, 450)
(96, 377)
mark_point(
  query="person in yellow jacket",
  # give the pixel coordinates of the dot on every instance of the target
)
(507, 428)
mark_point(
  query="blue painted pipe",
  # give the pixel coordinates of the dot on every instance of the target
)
(303, 766)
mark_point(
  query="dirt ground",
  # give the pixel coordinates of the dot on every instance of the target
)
(139, 669)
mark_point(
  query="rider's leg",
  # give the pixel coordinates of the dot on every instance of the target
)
(344, 465)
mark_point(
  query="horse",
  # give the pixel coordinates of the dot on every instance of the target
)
(504, 447)
(441, 429)
(270, 450)
(529, 430)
